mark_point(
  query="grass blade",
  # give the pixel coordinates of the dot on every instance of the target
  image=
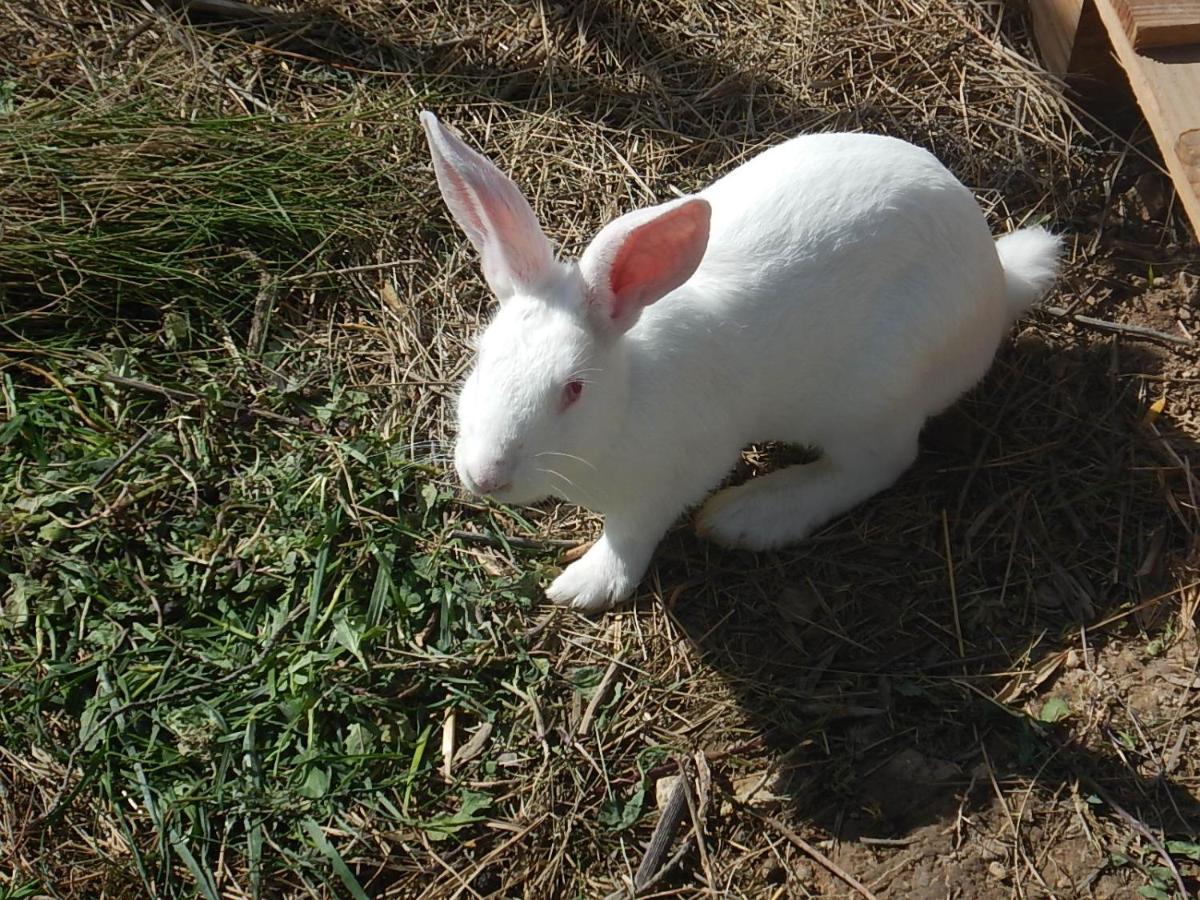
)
(317, 836)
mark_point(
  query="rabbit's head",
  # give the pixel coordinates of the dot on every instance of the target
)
(550, 389)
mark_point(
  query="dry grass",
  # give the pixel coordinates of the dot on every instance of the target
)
(981, 683)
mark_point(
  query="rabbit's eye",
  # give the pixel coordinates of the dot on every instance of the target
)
(571, 392)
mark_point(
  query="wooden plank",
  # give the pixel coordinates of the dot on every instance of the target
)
(1188, 148)
(1074, 46)
(1166, 83)
(1094, 67)
(1159, 23)
(1054, 24)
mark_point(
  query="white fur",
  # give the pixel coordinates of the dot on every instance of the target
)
(1029, 258)
(849, 290)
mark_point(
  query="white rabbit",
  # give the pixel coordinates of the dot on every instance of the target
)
(836, 290)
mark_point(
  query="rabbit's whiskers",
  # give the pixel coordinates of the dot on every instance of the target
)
(567, 456)
(584, 496)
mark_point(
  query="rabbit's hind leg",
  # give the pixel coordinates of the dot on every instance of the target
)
(788, 505)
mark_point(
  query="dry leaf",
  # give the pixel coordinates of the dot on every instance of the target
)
(387, 293)
(757, 790)
(1025, 682)
(475, 745)
(703, 782)
(664, 789)
(1155, 410)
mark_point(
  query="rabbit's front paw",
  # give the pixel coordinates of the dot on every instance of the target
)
(593, 583)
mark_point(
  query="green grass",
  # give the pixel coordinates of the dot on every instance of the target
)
(230, 636)
(236, 628)
(115, 205)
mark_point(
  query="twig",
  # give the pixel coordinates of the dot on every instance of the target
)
(502, 541)
(816, 854)
(664, 833)
(887, 842)
(1139, 827)
(229, 9)
(664, 870)
(372, 267)
(610, 675)
(449, 721)
(1136, 331)
(189, 397)
(499, 851)
(698, 831)
(137, 445)
(57, 382)
(1133, 821)
(669, 865)
(962, 650)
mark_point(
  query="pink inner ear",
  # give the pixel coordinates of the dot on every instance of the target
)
(657, 257)
(465, 204)
(520, 241)
(491, 210)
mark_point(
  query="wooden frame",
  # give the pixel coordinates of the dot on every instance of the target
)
(1081, 39)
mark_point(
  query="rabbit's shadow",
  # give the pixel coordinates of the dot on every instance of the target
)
(898, 663)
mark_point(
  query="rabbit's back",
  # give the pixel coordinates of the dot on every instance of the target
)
(833, 207)
(837, 265)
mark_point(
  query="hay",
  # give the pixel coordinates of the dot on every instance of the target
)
(932, 621)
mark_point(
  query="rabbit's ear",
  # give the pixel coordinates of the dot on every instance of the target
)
(642, 256)
(491, 210)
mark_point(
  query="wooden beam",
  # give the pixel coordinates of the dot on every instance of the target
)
(1055, 23)
(1159, 23)
(1075, 47)
(1166, 82)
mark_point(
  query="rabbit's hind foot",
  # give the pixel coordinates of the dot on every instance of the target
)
(787, 506)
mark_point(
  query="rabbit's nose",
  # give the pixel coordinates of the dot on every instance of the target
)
(489, 478)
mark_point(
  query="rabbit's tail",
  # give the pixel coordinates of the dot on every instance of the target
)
(1030, 258)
